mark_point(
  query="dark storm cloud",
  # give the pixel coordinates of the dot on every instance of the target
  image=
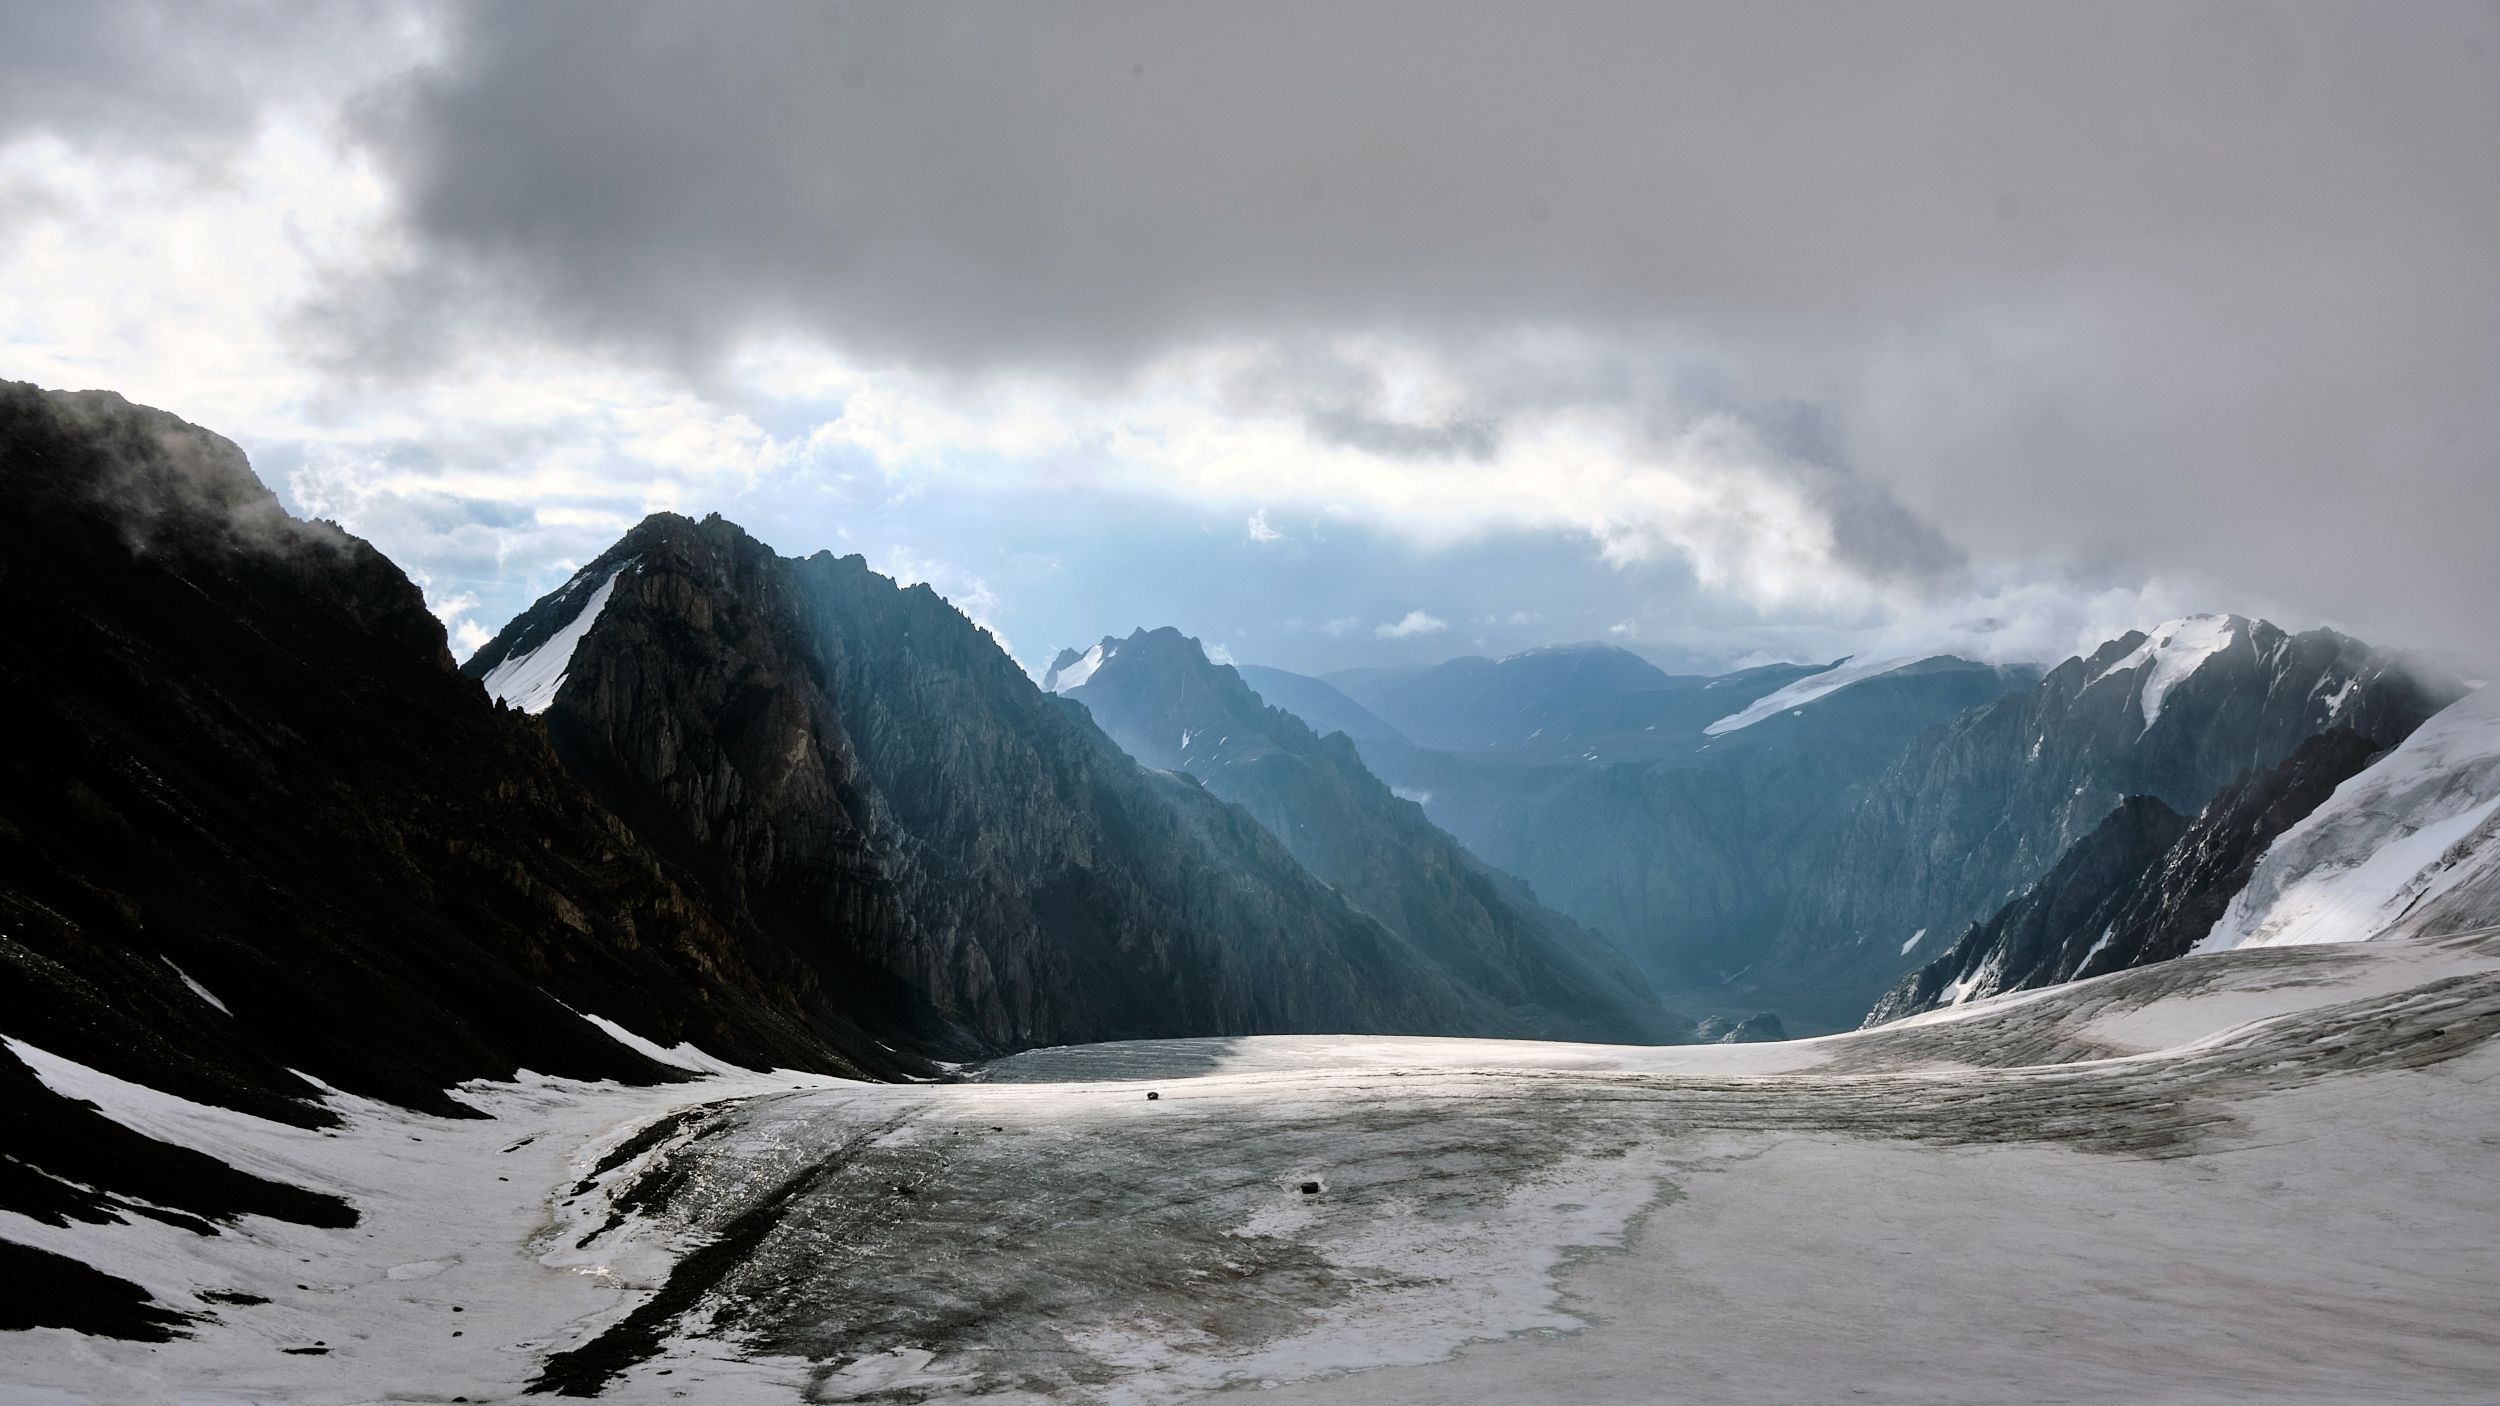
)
(968, 184)
(2185, 289)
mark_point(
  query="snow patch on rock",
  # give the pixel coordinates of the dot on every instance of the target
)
(530, 681)
(1813, 686)
(1073, 677)
(2172, 654)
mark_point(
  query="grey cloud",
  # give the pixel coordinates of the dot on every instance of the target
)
(1373, 434)
(175, 78)
(1339, 401)
(971, 184)
(2194, 288)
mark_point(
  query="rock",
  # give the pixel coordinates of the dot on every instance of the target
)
(1760, 1027)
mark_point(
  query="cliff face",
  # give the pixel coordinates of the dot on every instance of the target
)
(1159, 697)
(865, 774)
(2055, 925)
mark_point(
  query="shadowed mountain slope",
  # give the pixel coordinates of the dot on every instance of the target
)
(1161, 699)
(855, 766)
(259, 836)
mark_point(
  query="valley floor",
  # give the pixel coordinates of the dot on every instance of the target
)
(2256, 1176)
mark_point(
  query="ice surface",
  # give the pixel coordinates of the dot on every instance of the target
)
(2254, 1176)
(2407, 827)
(1811, 687)
(529, 681)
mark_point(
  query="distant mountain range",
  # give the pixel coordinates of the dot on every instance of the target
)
(1159, 697)
(1799, 838)
(1687, 847)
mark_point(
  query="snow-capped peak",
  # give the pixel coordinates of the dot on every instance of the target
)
(1855, 669)
(2173, 652)
(1072, 676)
(529, 681)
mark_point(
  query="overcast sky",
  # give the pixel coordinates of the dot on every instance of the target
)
(1333, 334)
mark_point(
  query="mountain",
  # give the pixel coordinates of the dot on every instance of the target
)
(2411, 844)
(1475, 704)
(1319, 704)
(1576, 702)
(1976, 812)
(2144, 886)
(1159, 697)
(857, 768)
(2055, 926)
(1802, 837)
(259, 840)
(1685, 848)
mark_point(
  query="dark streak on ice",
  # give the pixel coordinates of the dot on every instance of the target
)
(587, 1370)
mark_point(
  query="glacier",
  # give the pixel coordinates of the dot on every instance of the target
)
(1494, 1220)
(2409, 827)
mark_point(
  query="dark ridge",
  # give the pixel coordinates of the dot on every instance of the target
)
(1981, 809)
(2056, 923)
(258, 823)
(39, 1289)
(62, 1160)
